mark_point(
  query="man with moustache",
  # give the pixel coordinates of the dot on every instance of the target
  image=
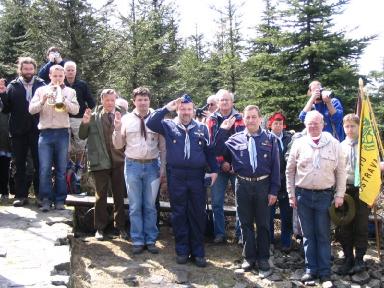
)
(22, 125)
(54, 137)
(105, 162)
(142, 172)
(188, 153)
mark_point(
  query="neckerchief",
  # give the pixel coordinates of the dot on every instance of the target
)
(143, 129)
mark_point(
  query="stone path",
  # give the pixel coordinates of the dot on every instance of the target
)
(34, 250)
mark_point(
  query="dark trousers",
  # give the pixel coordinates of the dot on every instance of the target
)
(187, 198)
(286, 220)
(252, 206)
(355, 234)
(20, 146)
(103, 180)
(4, 174)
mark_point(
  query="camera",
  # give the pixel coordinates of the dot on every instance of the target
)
(323, 92)
(199, 111)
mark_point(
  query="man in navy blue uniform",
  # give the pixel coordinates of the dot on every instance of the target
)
(255, 160)
(188, 154)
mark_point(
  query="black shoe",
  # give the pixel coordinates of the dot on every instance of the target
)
(247, 265)
(219, 239)
(123, 234)
(152, 249)
(19, 202)
(346, 267)
(137, 249)
(99, 235)
(308, 277)
(359, 266)
(200, 262)
(325, 278)
(263, 265)
(182, 259)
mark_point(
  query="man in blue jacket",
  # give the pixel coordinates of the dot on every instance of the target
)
(330, 107)
(54, 58)
(256, 162)
(188, 153)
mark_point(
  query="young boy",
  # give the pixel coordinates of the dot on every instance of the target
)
(355, 234)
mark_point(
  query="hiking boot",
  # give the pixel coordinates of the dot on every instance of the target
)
(99, 235)
(152, 249)
(346, 267)
(200, 262)
(137, 249)
(45, 205)
(182, 259)
(219, 239)
(19, 202)
(247, 265)
(263, 265)
(59, 206)
(308, 277)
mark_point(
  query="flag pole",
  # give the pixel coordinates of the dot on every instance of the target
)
(381, 153)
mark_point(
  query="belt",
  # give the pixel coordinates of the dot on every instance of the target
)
(317, 190)
(253, 179)
(142, 161)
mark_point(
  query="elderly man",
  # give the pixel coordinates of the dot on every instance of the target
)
(105, 162)
(256, 163)
(22, 125)
(329, 106)
(142, 174)
(85, 100)
(189, 152)
(54, 136)
(315, 177)
(226, 174)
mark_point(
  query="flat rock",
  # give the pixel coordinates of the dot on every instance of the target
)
(374, 283)
(181, 276)
(361, 278)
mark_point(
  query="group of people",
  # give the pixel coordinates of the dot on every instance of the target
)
(132, 153)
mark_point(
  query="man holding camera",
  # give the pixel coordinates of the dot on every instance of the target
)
(54, 58)
(330, 107)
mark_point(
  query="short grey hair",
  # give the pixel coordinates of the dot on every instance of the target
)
(313, 114)
(222, 92)
(212, 98)
(70, 63)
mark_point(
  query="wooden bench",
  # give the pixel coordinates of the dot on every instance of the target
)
(89, 201)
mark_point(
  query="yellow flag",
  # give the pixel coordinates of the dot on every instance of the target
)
(370, 180)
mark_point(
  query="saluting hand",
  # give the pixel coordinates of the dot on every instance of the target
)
(117, 121)
(228, 123)
(172, 106)
(87, 116)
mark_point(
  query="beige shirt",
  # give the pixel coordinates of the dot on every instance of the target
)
(136, 147)
(318, 167)
(49, 117)
(346, 148)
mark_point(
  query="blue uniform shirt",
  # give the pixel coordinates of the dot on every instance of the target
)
(268, 160)
(202, 152)
(334, 123)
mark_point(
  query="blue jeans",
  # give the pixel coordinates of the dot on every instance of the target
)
(312, 207)
(217, 197)
(286, 221)
(53, 150)
(143, 181)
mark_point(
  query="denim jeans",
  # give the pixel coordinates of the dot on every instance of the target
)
(53, 150)
(217, 196)
(252, 206)
(143, 181)
(286, 221)
(312, 207)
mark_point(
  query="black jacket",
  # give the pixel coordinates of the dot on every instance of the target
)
(83, 95)
(15, 103)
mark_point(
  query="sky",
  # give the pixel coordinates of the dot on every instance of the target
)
(360, 18)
